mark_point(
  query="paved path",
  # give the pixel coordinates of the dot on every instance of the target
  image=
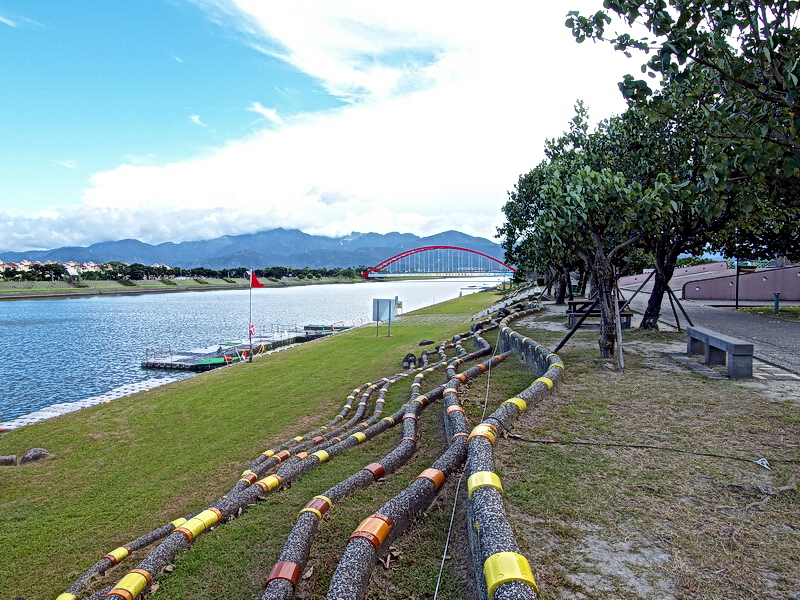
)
(774, 340)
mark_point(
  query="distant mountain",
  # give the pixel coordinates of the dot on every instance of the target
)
(284, 247)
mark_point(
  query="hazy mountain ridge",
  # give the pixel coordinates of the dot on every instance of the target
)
(286, 247)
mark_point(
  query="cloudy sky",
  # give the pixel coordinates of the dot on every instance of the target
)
(172, 120)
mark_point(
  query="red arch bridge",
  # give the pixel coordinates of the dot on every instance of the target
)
(440, 261)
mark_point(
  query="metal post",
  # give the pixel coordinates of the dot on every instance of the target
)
(620, 359)
(737, 284)
(777, 301)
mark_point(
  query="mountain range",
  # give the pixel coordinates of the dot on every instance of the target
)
(275, 247)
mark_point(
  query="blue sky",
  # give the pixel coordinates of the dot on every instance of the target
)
(179, 119)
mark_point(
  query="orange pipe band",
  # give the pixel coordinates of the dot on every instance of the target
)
(409, 439)
(375, 529)
(450, 391)
(284, 570)
(483, 367)
(302, 455)
(282, 456)
(318, 440)
(462, 378)
(409, 416)
(435, 475)
(376, 469)
(455, 408)
(458, 435)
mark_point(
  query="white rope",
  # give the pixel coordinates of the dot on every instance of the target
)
(460, 478)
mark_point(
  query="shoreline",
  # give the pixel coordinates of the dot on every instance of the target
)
(81, 292)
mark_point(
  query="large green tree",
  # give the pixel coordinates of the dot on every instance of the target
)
(746, 52)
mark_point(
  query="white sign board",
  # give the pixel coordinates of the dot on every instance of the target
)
(384, 310)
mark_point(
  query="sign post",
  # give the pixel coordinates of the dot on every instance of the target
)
(384, 310)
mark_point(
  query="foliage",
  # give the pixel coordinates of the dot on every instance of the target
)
(692, 261)
(746, 53)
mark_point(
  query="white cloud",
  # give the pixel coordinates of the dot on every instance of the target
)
(447, 107)
(69, 164)
(196, 119)
(177, 58)
(7, 22)
(270, 114)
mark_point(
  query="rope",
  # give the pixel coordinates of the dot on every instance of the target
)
(460, 478)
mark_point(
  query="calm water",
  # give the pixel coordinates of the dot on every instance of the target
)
(68, 349)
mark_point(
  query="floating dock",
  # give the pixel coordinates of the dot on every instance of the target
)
(220, 355)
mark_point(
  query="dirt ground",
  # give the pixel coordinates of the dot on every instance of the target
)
(645, 485)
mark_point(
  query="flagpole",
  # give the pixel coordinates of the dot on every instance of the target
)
(250, 322)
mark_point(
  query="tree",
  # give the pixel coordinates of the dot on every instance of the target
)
(746, 53)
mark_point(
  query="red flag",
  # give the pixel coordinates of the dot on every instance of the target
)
(254, 282)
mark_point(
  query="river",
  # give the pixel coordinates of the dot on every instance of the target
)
(67, 349)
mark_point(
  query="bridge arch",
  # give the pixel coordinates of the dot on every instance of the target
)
(373, 272)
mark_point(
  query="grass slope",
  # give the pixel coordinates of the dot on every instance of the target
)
(595, 521)
(124, 468)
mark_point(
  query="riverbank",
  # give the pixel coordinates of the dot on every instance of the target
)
(616, 486)
(44, 289)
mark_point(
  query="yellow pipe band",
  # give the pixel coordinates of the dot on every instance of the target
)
(348, 406)
(390, 419)
(180, 522)
(549, 355)
(559, 365)
(483, 479)
(118, 554)
(299, 438)
(132, 583)
(66, 596)
(272, 482)
(314, 511)
(268, 453)
(507, 566)
(486, 431)
(322, 455)
(519, 402)
(360, 436)
(546, 381)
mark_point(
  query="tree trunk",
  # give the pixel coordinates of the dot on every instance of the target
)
(604, 273)
(665, 265)
(562, 290)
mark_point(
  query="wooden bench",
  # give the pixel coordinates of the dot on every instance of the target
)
(577, 308)
(717, 348)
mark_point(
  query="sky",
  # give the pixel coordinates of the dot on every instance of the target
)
(174, 120)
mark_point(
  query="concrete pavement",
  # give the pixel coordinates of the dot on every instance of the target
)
(774, 341)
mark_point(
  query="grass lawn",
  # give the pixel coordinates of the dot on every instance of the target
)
(596, 516)
(786, 313)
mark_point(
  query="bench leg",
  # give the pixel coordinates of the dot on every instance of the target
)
(695, 346)
(740, 366)
(715, 356)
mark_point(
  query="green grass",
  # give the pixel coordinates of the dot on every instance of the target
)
(786, 313)
(124, 468)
